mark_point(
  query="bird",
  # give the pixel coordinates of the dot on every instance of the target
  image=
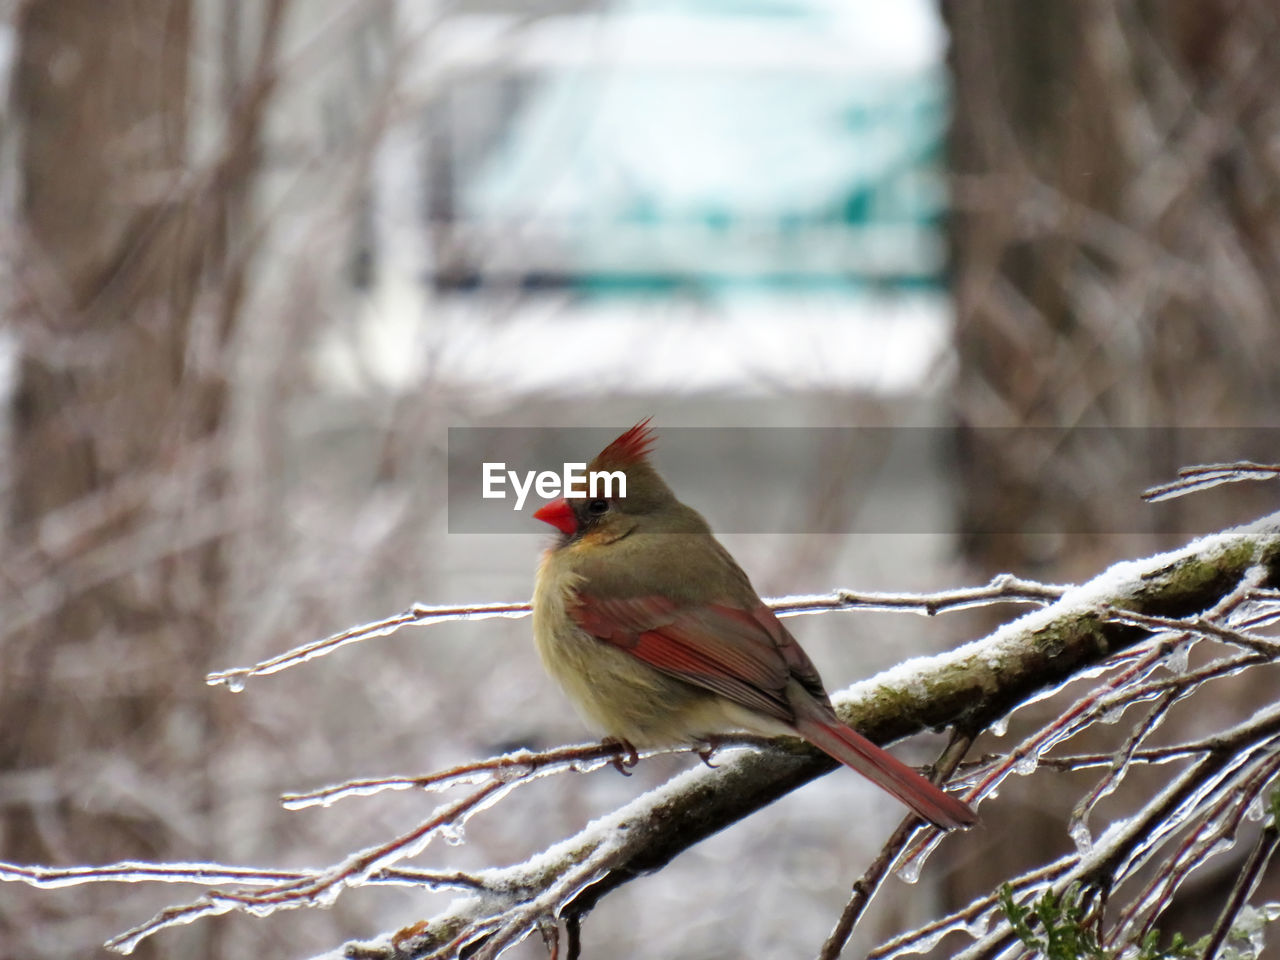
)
(658, 638)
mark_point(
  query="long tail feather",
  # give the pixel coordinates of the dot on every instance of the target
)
(888, 772)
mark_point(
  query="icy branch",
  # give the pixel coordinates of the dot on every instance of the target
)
(1193, 479)
(970, 688)
(1127, 630)
(1002, 589)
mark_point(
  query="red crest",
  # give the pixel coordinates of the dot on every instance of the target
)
(629, 449)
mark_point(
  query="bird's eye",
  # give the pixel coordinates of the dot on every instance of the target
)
(597, 507)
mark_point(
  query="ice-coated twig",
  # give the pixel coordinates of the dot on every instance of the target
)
(517, 766)
(134, 871)
(1002, 589)
(1225, 791)
(518, 923)
(1191, 479)
(318, 888)
(1245, 884)
(866, 886)
(516, 897)
(1131, 843)
(978, 914)
(1134, 665)
(289, 889)
(418, 615)
(1078, 825)
(1026, 755)
(1200, 626)
(1224, 806)
(980, 769)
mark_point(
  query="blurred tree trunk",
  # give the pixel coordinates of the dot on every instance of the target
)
(1114, 248)
(113, 579)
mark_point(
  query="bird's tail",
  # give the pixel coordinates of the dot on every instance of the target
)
(886, 771)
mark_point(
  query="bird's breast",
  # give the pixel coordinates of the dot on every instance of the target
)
(614, 691)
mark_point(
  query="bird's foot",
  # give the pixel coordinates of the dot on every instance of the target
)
(625, 756)
(707, 750)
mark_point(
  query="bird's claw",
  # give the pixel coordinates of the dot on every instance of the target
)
(625, 756)
(708, 750)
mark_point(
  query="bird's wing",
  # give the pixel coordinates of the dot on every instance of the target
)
(746, 656)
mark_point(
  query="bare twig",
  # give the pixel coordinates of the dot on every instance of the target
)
(1002, 589)
(320, 888)
(519, 766)
(1201, 626)
(865, 888)
(1244, 886)
(418, 615)
(133, 871)
(1191, 479)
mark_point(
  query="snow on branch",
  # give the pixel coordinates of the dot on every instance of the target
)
(1126, 634)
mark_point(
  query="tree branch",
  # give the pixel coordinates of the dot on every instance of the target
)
(1128, 622)
(969, 688)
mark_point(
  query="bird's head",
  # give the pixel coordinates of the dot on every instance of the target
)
(626, 462)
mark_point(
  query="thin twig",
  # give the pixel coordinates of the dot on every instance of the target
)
(865, 888)
(520, 765)
(1208, 475)
(1224, 807)
(133, 871)
(416, 616)
(317, 887)
(1120, 762)
(973, 913)
(1004, 588)
(1196, 625)
(573, 928)
(1244, 886)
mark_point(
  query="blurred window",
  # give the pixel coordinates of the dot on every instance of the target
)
(695, 146)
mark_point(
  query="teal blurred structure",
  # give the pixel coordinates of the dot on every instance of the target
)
(702, 148)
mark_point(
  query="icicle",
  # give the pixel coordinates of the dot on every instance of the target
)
(1256, 810)
(909, 872)
(1081, 834)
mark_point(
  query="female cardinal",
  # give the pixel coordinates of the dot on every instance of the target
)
(658, 636)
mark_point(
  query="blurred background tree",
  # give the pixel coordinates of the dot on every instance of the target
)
(260, 257)
(1114, 238)
(127, 274)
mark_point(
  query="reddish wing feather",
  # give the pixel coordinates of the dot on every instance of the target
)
(719, 648)
(749, 657)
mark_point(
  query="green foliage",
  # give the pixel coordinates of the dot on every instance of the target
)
(1178, 948)
(1054, 926)
(1273, 808)
(1057, 927)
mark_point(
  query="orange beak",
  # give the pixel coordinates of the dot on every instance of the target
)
(559, 514)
